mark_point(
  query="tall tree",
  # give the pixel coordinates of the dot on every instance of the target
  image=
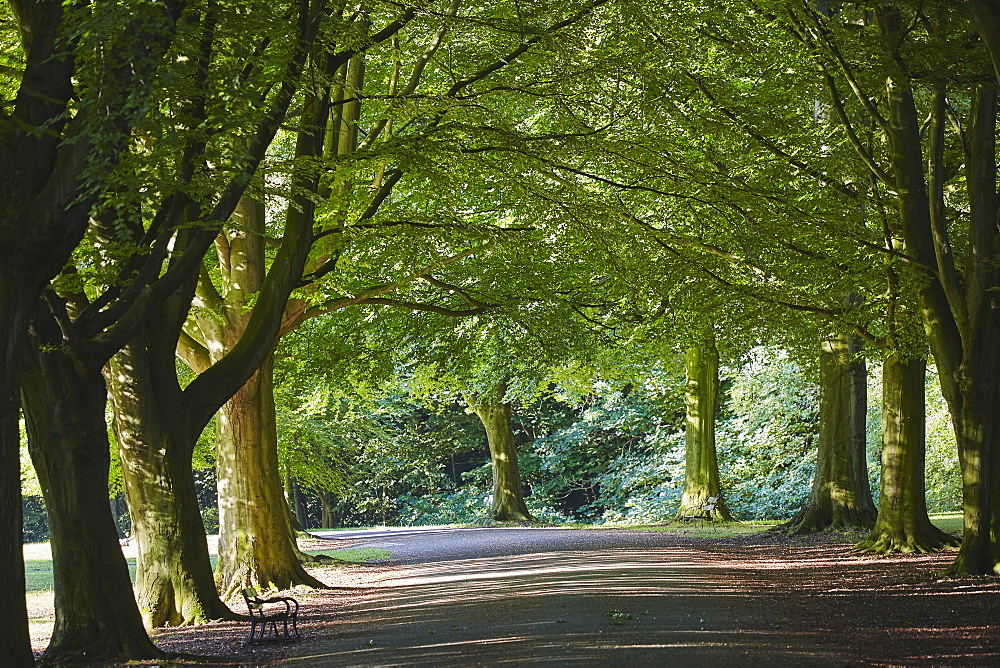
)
(53, 166)
(928, 174)
(841, 494)
(395, 156)
(902, 523)
(701, 398)
(159, 428)
(495, 412)
(82, 325)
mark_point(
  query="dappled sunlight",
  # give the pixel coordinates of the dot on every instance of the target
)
(681, 601)
(692, 605)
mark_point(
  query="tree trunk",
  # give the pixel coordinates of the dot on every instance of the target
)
(326, 499)
(902, 524)
(13, 613)
(299, 503)
(859, 425)
(957, 295)
(64, 406)
(701, 470)
(174, 583)
(837, 500)
(256, 540)
(508, 499)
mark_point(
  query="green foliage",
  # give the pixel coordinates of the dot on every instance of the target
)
(616, 460)
(943, 477)
(767, 442)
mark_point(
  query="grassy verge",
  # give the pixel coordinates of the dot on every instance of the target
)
(950, 522)
(354, 555)
(38, 562)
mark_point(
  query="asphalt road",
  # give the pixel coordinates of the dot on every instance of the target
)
(552, 596)
(420, 545)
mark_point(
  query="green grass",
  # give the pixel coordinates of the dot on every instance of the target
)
(38, 575)
(356, 555)
(950, 522)
(38, 563)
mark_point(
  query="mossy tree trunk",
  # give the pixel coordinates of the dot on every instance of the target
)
(64, 406)
(841, 494)
(496, 414)
(902, 524)
(174, 583)
(957, 295)
(51, 169)
(701, 398)
(327, 499)
(257, 545)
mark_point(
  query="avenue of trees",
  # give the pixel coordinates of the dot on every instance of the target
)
(607, 239)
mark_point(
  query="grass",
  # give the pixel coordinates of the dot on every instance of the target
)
(355, 555)
(950, 522)
(38, 562)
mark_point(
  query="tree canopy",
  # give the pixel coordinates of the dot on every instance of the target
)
(358, 223)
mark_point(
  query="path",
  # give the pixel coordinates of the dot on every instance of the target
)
(609, 597)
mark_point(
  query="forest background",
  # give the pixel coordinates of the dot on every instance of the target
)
(608, 456)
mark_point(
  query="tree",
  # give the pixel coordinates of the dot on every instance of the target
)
(902, 523)
(841, 496)
(82, 324)
(495, 411)
(931, 177)
(159, 427)
(57, 147)
(701, 471)
(396, 157)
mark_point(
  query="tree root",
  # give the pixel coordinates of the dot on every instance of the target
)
(907, 542)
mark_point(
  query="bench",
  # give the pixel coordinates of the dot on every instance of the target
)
(704, 511)
(283, 610)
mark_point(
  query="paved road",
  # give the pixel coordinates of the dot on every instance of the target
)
(485, 596)
(418, 545)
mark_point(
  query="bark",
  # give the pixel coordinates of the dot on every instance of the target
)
(13, 613)
(257, 546)
(838, 498)
(902, 524)
(327, 500)
(298, 503)
(64, 403)
(959, 300)
(496, 415)
(986, 16)
(701, 470)
(859, 425)
(174, 583)
(256, 539)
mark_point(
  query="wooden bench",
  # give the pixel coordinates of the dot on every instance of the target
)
(704, 511)
(284, 610)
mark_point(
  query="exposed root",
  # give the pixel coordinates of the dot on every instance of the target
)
(906, 542)
(107, 648)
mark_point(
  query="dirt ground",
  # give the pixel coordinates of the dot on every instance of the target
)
(674, 600)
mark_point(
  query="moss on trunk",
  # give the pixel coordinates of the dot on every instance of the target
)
(64, 406)
(174, 583)
(902, 524)
(701, 469)
(496, 415)
(840, 499)
(257, 545)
